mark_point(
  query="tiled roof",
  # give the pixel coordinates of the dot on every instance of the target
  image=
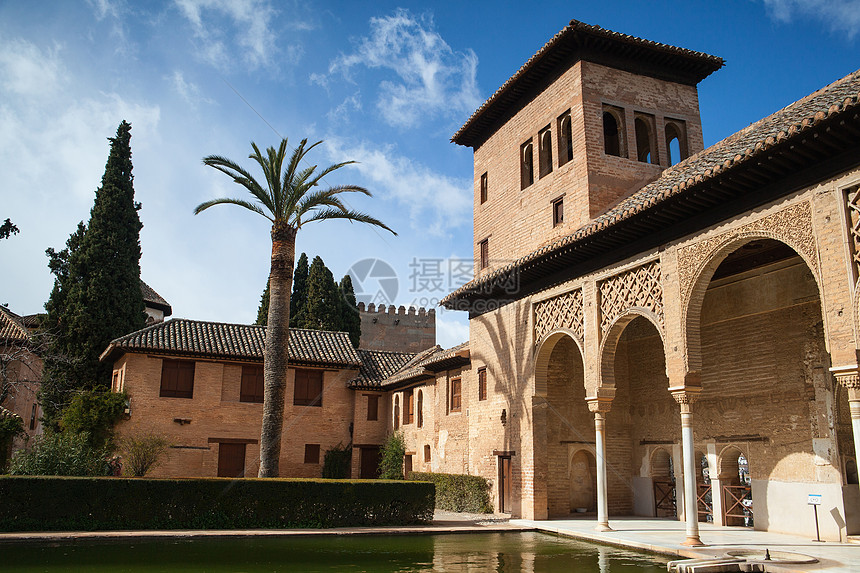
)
(377, 365)
(236, 341)
(425, 364)
(588, 42)
(12, 327)
(154, 300)
(788, 124)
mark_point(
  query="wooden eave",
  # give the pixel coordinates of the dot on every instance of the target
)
(827, 149)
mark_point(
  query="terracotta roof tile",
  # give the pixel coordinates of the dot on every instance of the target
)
(700, 64)
(377, 365)
(12, 327)
(154, 300)
(236, 341)
(426, 363)
(792, 121)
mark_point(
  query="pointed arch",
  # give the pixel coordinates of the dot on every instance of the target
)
(609, 344)
(544, 352)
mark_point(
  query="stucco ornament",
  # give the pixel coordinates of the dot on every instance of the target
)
(563, 311)
(640, 287)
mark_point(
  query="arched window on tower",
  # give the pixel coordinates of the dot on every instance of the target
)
(565, 139)
(676, 140)
(646, 143)
(545, 155)
(527, 174)
(613, 131)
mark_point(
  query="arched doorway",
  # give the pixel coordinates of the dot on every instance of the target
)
(568, 425)
(663, 476)
(755, 333)
(643, 413)
(583, 482)
(735, 483)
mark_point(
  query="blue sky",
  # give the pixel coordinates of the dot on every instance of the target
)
(384, 83)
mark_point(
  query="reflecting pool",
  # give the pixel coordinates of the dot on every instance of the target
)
(502, 552)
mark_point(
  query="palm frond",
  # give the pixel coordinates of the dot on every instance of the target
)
(352, 216)
(240, 176)
(226, 201)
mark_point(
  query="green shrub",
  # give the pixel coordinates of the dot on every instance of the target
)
(337, 463)
(95, 414)
(89, 504)
(11, 425)
(391, 457)
(61, 454)
(142, 452)
(457, 492)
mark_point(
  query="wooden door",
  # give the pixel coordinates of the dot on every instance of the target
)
(369, 462)
(504, 484)
(231, 460)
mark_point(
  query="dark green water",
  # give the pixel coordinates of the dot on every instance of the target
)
(508, 552)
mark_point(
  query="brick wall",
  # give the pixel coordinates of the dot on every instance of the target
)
(397, 330)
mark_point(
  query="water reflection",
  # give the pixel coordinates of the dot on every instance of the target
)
(500, 552)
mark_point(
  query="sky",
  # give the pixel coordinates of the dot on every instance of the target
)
(383, 83)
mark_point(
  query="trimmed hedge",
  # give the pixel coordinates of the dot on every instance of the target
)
(459, 492)
(91, 504)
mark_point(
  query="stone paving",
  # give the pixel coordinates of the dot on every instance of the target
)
(665, 536)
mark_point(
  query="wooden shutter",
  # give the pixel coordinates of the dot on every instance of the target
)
(177, 379)
(308, 389)
(252, 383)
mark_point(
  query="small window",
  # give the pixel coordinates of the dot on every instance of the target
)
(483, 188)
(396, 411)
(527, 174)
(177, 379)
(420, 409)
(482, 383)
(309, 388)
(545, 154)
(407, 465)
(456, 390)
(252, 383)
(646, 143)
(312, 453)
(33, 413)
(114, 385)
(565, 139)
(676, 140)
(484, 248)
(557, 212)
(408, 407)
(372, 407)
(613, 131)
(427, 453)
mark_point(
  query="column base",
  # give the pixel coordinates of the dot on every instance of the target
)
(603, 527)
(692, 542)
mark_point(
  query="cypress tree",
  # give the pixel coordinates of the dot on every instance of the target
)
(323, 310)
(96, 295)
(350, 318)
(263, 311)
(299, 297)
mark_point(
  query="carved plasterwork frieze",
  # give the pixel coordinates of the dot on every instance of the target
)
(563, 311)
(792, 225)
(641, 287)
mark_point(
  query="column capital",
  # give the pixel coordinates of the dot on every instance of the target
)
(685, 396)
(602, 399)
(847, 376)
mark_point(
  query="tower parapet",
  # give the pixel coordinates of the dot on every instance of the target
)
(397, 329)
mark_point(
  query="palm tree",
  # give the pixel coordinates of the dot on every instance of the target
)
(289, 198)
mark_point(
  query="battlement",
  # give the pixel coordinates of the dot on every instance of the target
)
(397, 328)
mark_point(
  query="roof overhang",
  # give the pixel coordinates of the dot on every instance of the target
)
(776, 168)
(580, 41)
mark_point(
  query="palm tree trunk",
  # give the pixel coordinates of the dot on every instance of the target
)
(276, 356)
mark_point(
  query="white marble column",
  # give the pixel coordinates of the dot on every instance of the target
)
(600, 407)
(685, 397)
(849, 378)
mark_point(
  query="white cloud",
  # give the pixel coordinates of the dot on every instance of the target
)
(840, 15)
(28, 71)
(251, 24)
(104, 8)
(187, 90)
(432, 79)
(436, 203)
(340, 114)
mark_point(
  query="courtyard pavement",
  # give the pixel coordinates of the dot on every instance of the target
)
(665, 536)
